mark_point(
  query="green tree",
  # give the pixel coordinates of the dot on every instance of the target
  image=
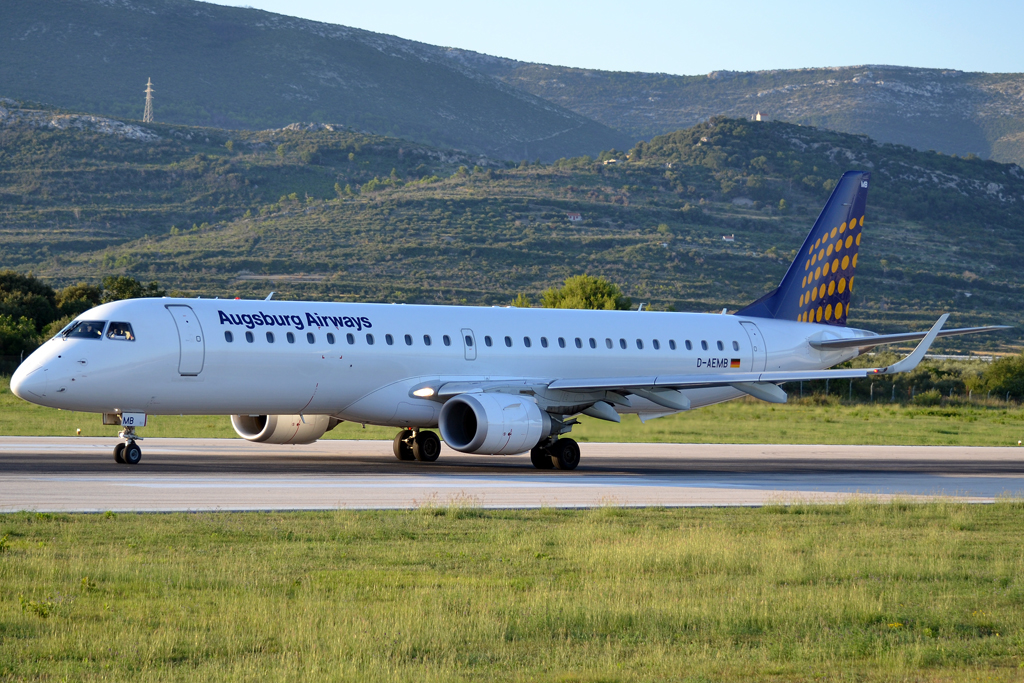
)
(586, 291)
(74, 300)
(783, 206)
(17, 336)
(24, 295)
(1006, 376)
(117, 288)
(521, 301)
(230, 145)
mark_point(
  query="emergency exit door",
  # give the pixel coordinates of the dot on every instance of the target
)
(190, 340)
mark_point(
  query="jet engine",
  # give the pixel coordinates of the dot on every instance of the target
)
(493, 424)
(282, 429)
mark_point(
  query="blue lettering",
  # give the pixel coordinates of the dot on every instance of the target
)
(224, 317)
(298, 322)
(247, 320)
(366, 322)
(310, 320)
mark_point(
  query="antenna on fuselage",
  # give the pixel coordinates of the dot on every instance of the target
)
(269, 296)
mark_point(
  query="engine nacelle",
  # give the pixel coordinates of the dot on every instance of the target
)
(282, 429)
(493, 424)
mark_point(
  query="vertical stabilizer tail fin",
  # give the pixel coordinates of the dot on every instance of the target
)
(819, 283)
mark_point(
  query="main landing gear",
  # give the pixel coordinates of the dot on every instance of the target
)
(128, 453)
(416, 444)
(562, 454)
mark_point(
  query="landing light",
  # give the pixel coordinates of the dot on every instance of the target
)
(425, 392)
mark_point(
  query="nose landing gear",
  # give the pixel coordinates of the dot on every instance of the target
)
(128, 453)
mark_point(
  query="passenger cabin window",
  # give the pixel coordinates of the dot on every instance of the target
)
(689, 346)
(249, 338)
(622, 343)
(608, 342)
(579, 343)
(350, 338)
(544, 342)
(672, 344)
(270, 337)
(508, 341)
(86, 329)
(388, 339)
(735, 346)
(330, 337)
(408, 340)
(228, 337)
(657, 344)
(310, 338)
(120, 331)
(447, 340)
(703, 345)
(469, 340)
(593, 343)
(426, 340)
(721, 346)
(561, 342)
(639, 343)
(291, 338)
(487, 340)
(527, 342)
(369, 339)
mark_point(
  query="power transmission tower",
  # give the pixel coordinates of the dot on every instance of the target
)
(147, 116)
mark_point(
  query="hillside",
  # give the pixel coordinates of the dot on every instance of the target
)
(945, 110)
(244, 68)
(337, 214)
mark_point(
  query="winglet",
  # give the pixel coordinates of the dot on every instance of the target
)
(911, 361)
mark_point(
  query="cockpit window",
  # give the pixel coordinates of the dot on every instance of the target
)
(85, 329)
(122, 331)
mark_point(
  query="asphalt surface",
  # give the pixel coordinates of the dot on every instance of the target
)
(79, 474)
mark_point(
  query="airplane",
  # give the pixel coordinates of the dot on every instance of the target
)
(494, 380)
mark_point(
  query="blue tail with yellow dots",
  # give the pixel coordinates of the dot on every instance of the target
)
(819, 283)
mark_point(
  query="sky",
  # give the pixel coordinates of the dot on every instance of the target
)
(688, 38)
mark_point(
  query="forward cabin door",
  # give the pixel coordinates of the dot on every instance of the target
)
(760, 353)
(190, 340)
(469, 344)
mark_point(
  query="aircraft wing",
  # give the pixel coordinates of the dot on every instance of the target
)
(763, 385)
(880, 339)
(734, 378)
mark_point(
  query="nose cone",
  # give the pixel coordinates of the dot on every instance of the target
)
(29, 384)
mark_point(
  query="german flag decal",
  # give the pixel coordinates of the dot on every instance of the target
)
(734, 363)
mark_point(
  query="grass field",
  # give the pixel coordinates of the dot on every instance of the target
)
(855, 592)
(812, 420)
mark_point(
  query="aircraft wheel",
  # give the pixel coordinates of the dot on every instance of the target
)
(426, 447)
(132, 454)
(403, 451)
(119, 454)
(541, 458)
(565, 454)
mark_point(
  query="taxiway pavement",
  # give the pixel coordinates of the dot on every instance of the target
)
(79, 474)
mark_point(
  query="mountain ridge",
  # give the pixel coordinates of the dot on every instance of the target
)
(943, 109)
(245, 68)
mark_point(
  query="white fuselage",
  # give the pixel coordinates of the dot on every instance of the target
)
(172, 367)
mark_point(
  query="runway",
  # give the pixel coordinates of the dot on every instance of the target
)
(79, 474)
